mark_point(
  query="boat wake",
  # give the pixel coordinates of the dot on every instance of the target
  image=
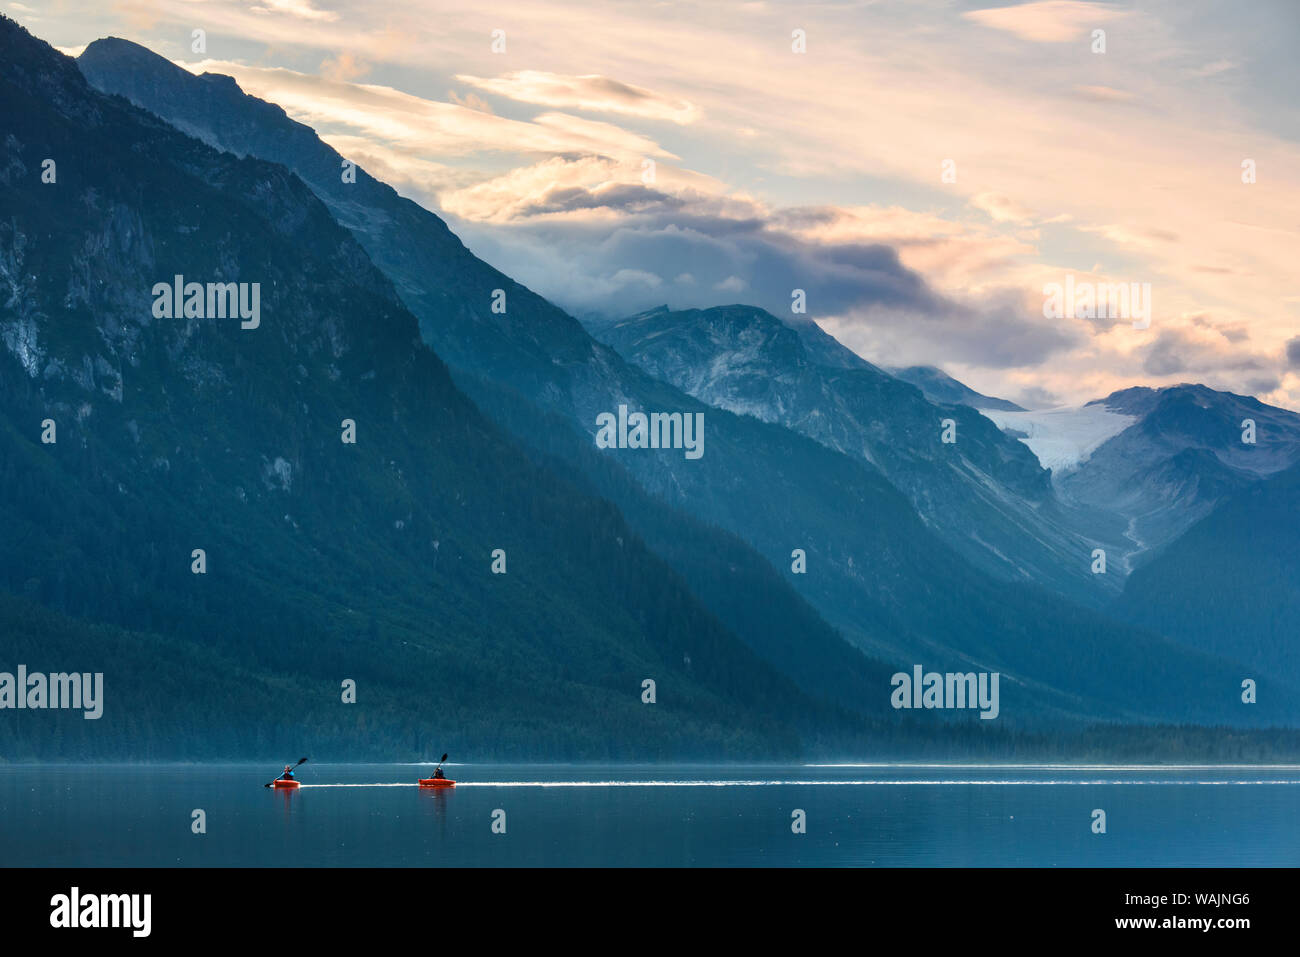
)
(900, 782)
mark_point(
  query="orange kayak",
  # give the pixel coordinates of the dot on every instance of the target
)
(437, 783)
(281, 783)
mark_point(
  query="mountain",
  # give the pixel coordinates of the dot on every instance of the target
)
(875, 571)
(985, 494)
(535, 346)
(942, 388)
(1149, 463)
(324, 561)
(1230, 584)
(533, 368)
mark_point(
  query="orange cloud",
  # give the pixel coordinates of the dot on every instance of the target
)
(591, 92)
(1048, 21)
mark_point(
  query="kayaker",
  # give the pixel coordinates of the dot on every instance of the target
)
(288, 773)
(438, 775)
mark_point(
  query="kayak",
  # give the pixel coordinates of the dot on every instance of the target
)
(281, 783)
(437, 783)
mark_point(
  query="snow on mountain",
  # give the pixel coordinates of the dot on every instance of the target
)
(1062, 438)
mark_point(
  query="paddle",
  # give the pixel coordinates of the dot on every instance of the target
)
(271, 784)
(438, 768)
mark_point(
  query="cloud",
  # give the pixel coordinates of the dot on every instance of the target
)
(625, 276)
(300, 9)
(999, 331)
(557, 185)
(598, 247)
(1260, 386)
(613, 197)
(591, 92)
(405, 122)
(1293, 352)
(1011, 93)
(1230, 332)
(951, 254)
(1215, 68)
(1047, 21)
(471, 101)
(1182, 351)
(960, 256)
(725, 246)
(587, 233)
(1003, 209)
(410, 173)
(1036, 397)
(1133, 235)
(562, 186)
(1165, 357)
(1105, 94)
(343, 68)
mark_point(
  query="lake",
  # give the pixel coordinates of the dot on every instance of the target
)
(651, 815)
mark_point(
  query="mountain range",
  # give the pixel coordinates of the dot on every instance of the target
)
(882, 574)
(375, 561)
(325, 561)
(984, 492)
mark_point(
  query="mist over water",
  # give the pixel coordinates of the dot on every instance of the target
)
(652, 815)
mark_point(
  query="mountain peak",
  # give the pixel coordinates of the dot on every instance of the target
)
(940, 387)
(116, 55)
(119, 51)
(1141, 400)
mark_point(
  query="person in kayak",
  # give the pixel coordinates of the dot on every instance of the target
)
(288, 773)
(438, 775)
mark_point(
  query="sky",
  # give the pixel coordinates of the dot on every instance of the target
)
(924, 171)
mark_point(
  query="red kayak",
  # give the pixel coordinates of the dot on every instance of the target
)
(282, 783)
(437, 783)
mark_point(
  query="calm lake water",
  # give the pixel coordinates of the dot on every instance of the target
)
(661, 815)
